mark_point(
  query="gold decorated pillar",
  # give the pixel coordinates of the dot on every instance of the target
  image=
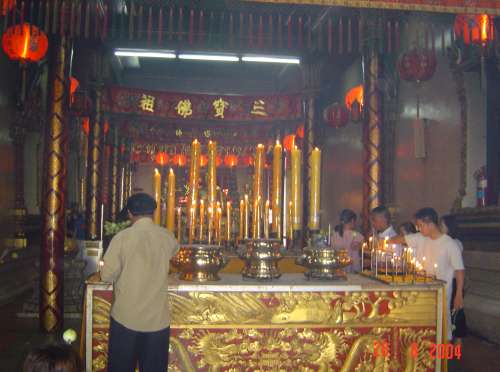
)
(54, 192)
(312, 81)
(372, 138)
(95, 170)
(114, 175)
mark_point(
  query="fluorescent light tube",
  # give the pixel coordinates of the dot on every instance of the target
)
(270, 59)
(209, 57)
(145, 53)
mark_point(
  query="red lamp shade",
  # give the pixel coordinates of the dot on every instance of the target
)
(230, 160)
(73, 86)
(289, 142)
(25, 43)
(300, 131)
(355, 94)
(7, 6)
(336, 115)
(161, 158)
(417, 65)
(474, 29)
(179, 160)
(246, 161)
(203, 160)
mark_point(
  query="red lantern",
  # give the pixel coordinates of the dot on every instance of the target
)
(246, 161)
(86, 125)
(417, 65)
(355, 94)
(289, 142)
(336, 115)
(161, 158)
(230, 160)
(25, 43)
(73, 86)
(474, 29)
(300, 131)
(179, 160)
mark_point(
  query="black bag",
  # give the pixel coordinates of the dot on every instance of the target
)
(459, 326)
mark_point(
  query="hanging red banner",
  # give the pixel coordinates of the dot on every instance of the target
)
(180, 106)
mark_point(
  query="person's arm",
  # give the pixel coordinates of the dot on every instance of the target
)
(112, 262)
(400, 239)
(458, 301)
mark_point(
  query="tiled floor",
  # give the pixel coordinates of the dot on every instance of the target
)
(18, 336)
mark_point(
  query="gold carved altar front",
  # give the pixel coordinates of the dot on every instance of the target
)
(288, 325)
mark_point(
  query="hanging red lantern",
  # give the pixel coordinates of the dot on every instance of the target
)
(86, 125)
(161, 158)
(246, 161)
(73, 86)
(355, 94)
(289, 142)
(417, 65)
(474, 28)
(336, 115)
(203, 160)
(25, 43)
(300, 131)
(230, 160)
(179, 160)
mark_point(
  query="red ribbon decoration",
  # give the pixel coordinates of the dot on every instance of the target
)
(150, 23)
(260, 36)
(270, 31)
(280, 31)
(170, 23)
(191, 27)
(330, 35)
(341, 37)
(389, 37)
(309, 32)
(180, 29)
(289, 32)
(349, 36)
(320, 34)
(160, 26)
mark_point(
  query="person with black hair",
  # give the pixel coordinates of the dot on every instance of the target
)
(381, 222)
(407, 228)
(345, 237)
(52, 358)
(441, 250)
(137, 263)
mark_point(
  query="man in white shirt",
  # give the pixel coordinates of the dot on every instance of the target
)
(441, 250)
(381, 225)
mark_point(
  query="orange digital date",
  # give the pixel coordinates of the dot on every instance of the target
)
(440, 351)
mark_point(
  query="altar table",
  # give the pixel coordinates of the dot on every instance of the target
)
(290, 324)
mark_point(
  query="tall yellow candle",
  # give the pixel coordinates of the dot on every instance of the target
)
(229, 224)
(202, 220)
(277, 189)
(266, 219)
(296, 185)
(256, 232)
(290, 220)
(194, 176)
(171, 200)
(179, 225)
(257, 189)
(247, 218)
(314, 188)
(219, 225)
(212, 174)
(242, 219)
(157, 196)
(210, 224)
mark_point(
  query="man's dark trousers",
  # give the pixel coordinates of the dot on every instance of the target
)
(127, 348)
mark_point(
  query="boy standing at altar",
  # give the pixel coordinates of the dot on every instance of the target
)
(137, 263)
(442, 257)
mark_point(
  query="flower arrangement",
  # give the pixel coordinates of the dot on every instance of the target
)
(113, 228)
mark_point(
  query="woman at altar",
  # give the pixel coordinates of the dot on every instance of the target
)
(345, 237)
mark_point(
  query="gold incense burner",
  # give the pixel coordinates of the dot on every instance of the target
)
(261, 258)
(323, 262)
(199, 262)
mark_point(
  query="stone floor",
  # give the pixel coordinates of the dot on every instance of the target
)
(18, 336)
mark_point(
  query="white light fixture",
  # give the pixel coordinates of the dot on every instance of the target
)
(270, 59)
(209, 57)
(145, 53)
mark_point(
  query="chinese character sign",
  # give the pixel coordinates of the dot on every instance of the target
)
(181, 106)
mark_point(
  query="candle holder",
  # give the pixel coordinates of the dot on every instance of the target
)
(324, 263)
(199, 262)
(261, 258)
